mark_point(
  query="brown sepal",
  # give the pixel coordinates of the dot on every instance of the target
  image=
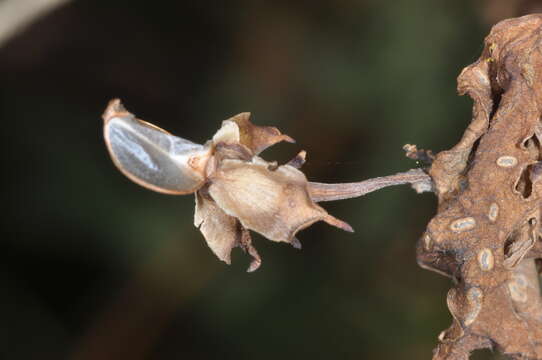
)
(258, 138)
(274, 203)
(221, 231)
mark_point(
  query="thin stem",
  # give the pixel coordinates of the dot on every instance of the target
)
(419, 180)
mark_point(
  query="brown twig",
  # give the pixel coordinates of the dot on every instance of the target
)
(485, 233)
(319, 192)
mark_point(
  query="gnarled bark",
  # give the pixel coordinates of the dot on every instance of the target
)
(486, 233)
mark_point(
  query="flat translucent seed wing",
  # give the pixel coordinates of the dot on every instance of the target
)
(152, 157)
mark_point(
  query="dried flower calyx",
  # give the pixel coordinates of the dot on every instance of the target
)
(235, 189)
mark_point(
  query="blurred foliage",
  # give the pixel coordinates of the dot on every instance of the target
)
(96, 267)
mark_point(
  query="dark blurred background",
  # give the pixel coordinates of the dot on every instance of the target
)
(95, 267)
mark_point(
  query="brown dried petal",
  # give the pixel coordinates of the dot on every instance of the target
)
(257, 138)
(275, 203)
(227, 141)
(221, 231)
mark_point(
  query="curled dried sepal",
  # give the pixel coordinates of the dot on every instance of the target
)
(152, 157)
(274, 203)
(222, 232)
(257, 138)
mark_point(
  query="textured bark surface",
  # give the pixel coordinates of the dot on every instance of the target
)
(486, 233)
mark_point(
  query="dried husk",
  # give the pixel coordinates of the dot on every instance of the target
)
(245, 192)
(274, 203)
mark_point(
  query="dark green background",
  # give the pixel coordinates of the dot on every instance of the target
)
(93, 266)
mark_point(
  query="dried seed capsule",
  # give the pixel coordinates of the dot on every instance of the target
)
(274, 203)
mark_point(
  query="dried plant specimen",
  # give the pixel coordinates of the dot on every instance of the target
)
(236, 190)
(486, 235)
